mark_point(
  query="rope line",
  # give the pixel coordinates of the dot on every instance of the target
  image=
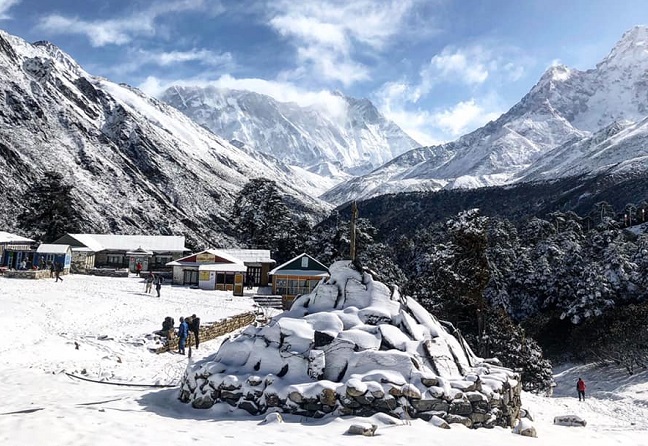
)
(120, 384)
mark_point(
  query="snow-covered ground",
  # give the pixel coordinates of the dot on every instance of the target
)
(110, 319)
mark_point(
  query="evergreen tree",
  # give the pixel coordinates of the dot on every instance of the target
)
(49, 211)
(261, 217)
(507, 342)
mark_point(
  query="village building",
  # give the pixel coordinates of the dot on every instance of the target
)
(123, 251)
(211, 269)
(14, 249)
(258, 263)
(296, 277)
(51, 254)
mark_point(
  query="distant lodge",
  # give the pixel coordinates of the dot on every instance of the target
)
(212, 269)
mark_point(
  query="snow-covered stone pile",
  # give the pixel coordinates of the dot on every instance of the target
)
(353, 346)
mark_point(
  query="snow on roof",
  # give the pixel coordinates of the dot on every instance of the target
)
(301, 272)
(50, 248)
(156, 243)
(224, 267)
(215, 252)
(251, 255)
(8, 237)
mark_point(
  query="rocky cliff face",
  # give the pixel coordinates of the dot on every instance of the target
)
(137, 165)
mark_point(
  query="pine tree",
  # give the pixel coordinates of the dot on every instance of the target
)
(261, 217)
(49, 211)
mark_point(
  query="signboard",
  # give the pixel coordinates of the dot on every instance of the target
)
(205, 257)
(203, 276)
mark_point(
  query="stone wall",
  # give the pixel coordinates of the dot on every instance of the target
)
(472, 406)
(110, 272)
(213, 330)
(29, 273)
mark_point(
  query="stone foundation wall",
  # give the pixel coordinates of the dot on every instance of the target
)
(213, 330)
(29, 274)
(472, 406)
(110, 272)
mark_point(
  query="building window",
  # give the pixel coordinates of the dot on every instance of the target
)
(304, 262)
(114, 260)
(162, 260)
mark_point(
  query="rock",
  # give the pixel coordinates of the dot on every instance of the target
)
(295, 397)
(430, 404)
(249, 407)
(439, 422)
(204, 402)
(410, 391)
(355, 387)
(328, 397)
(451, 418)
(272, 418)
(569, 420)
(358, 429)
(429, 381)
(525, 428)
(460, 408)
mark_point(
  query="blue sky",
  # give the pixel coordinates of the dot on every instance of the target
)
(438, 68)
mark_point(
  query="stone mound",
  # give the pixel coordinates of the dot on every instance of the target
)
(353, 346)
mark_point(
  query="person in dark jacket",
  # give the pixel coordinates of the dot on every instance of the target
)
(183, 332)
(580, 387)
(158, 284)
(194, 326)
(57, 271)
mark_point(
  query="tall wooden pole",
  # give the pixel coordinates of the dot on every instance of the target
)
(354, 216)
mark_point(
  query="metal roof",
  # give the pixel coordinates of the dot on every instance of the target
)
(50, 248)
(8, 237)
(251, 255)
(216, 252)
(155, 243)
(302, 272)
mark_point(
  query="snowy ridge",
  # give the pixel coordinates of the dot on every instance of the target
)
(564, 112)
(136, 163)
(357, 138)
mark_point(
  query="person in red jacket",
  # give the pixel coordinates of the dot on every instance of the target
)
(580, 387)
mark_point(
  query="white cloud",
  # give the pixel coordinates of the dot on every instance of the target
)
(121, 30)
(324, 100)
(472, 66)
(203, 56)
(463, 117)
(435, 126)
(330, 35)
(5, 6)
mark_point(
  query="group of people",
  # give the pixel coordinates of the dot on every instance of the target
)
(151, 280)
(189, 325)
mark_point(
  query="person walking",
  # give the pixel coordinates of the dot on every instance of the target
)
(194, 326)
(57, 271)
(138, 268)
(149, 283)
(51, 268)
(183, 332)
(580, 387)
(158, 284)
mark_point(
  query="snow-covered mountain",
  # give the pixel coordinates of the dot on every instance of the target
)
(136, 163)
(355, 140)
(569, 111)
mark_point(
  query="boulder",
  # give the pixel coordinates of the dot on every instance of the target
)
(359, 429)
(525, 428)
(569, 420)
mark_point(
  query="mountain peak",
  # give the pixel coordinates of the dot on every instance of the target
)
(630, 50)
